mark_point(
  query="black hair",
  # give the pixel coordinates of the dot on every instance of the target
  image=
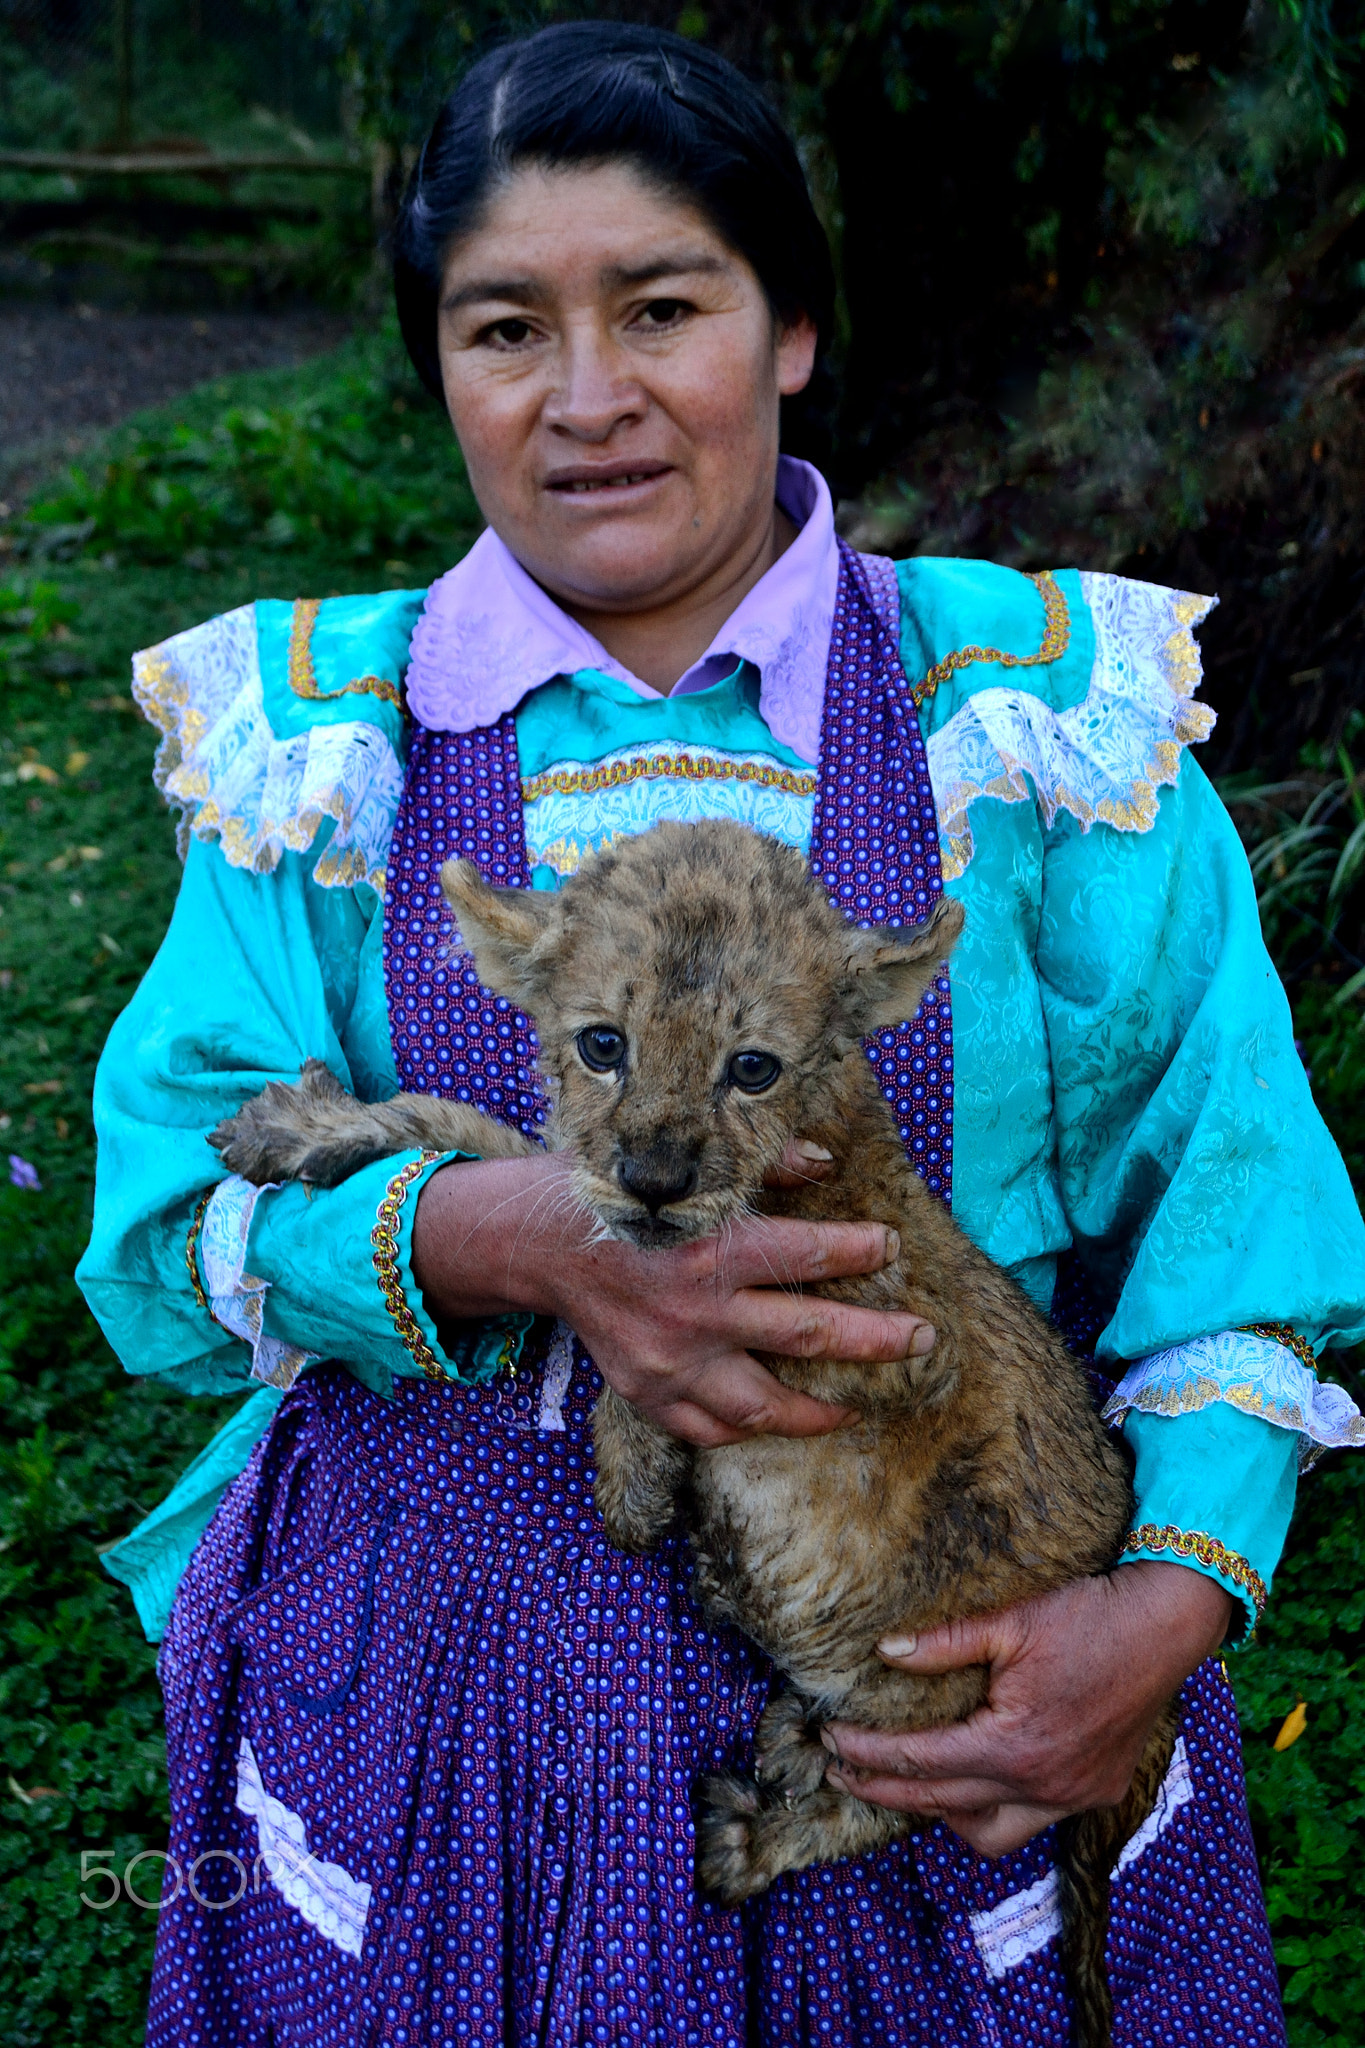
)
(590, 91)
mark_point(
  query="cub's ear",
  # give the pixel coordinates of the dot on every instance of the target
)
(510, 932)
(892, 971)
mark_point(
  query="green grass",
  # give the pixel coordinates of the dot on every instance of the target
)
(342, 476)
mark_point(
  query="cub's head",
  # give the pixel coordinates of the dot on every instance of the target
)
(691, 988)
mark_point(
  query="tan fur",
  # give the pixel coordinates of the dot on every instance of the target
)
(974, 1478)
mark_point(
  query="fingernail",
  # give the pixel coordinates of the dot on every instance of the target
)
(897, 1646)
(815, 1153)
(923, 1340)
(893, 1245)
(829, 1742)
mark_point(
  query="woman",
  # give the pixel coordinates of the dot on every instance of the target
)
(446, 1734)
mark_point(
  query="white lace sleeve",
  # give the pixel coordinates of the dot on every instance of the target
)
(1248, 1372)
(236, 1297)
(221, 763)
(1104, 758)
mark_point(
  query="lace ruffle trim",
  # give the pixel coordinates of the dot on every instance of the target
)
(1250, 1373)
(221, 764)
(1104, 759)
(236, 1298)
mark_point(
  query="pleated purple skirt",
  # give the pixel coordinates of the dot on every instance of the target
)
(432, 1746)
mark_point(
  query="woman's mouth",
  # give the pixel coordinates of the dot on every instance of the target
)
(603, 483)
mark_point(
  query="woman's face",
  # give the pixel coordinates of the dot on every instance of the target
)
(613, 372)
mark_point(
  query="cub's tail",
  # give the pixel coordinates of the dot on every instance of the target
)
(1088, 1848)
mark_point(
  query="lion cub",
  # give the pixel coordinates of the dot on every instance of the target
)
(699, 1003)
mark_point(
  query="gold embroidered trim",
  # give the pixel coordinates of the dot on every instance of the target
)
(1056, 640)
(1207, 1550)
(192, 1251)
(651, 767)
(302, 676)
(1286, 1334)
(384, 1238)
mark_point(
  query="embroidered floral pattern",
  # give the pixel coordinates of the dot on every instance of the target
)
(685, 764)
(221, 764)
(1206, 1550)
(302, 675)
(1286, 1334)
(384, 1239)
(1103, 759)
(575, 808)
(1250, 1370)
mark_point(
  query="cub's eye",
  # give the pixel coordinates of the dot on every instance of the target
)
(601, 1048)
(753, 1071)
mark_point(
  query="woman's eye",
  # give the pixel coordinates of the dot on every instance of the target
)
(754, 1071)
(601, 1048)
(509, 333)
(663, 312)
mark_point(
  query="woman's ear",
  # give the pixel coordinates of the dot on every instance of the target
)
(796, 346)
(892, 971)
(510, 932)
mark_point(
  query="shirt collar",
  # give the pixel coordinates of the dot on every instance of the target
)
(489, 633)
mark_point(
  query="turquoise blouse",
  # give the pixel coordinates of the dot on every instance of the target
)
(1126, 1078)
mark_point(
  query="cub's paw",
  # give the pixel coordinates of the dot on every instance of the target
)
(310, 1131)
(728, 1868)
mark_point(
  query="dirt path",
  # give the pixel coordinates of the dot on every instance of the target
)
(66, 373)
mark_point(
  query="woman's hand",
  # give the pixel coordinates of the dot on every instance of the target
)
(672, 1331)
(1078, 1679)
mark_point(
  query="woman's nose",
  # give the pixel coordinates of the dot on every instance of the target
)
(596, 388)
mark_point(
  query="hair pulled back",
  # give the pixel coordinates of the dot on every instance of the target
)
(581, 93)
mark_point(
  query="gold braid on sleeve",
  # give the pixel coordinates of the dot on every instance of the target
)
(384, 1238)
(192, 1251)
(1056, 640)
(1206, 1550)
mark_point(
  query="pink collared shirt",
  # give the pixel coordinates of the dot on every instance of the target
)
(489, 634)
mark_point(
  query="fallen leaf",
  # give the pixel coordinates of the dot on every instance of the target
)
(89, 852)
(43, 1087)
(37, 771)
(1295, 1721)
(110, 945)
(32, 1797)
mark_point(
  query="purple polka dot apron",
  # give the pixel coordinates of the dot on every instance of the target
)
(432, 1742)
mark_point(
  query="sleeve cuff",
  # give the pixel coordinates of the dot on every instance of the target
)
(482, 1349)
(236, 1297)
(1165, 1544)
(328, 1273)
(1214, 1492)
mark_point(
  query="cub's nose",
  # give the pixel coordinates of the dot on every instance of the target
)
(655, 1182)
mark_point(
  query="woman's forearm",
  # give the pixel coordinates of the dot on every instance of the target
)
(486, 1233)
